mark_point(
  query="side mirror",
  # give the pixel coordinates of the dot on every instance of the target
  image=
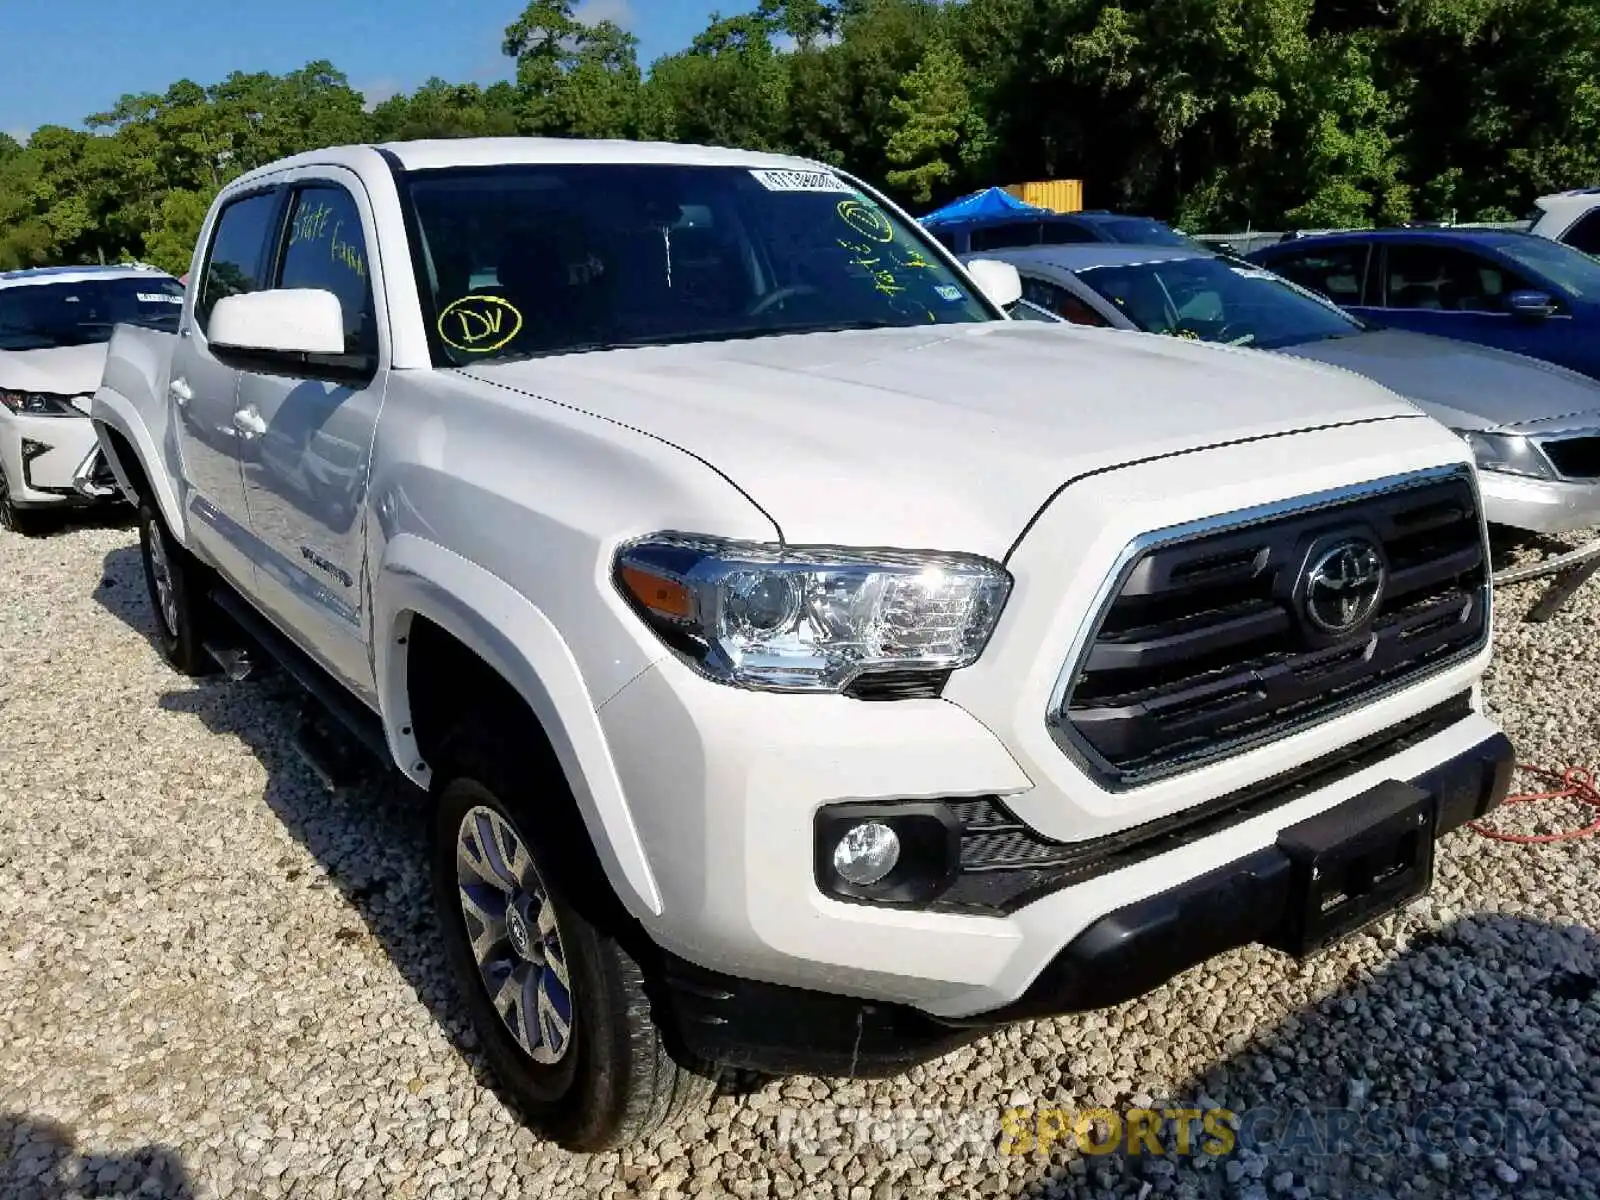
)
(1533, 305)
(287, 321)
(997, 280)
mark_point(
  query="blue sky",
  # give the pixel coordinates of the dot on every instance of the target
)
(68, 58)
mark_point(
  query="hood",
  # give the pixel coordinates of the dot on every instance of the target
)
(64, 370)
(947, 438)
(1465, 385)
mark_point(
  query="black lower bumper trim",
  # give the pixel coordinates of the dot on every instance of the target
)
(1139, 947)
(1125, 954)
(779, 1030)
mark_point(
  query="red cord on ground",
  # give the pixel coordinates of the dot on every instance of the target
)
(1576, 784)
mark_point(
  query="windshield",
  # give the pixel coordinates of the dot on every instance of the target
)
(1143, 231)
(41, 316)
(1578, 273)
(1214, 300)
(520, 261)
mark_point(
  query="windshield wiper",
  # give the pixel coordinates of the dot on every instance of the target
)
(704, 335)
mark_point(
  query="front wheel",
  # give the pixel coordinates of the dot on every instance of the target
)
(177, 593)
(558, 1003)
(12, 518)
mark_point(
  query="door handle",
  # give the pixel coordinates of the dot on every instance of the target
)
(181, 391)
(249, 423)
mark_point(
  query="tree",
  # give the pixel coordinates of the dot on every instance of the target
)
(1210, 112)
(171, 241)
(573, 78)
(440, 110)
(941, 129)
(730, 88)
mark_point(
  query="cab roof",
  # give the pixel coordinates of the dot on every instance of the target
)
(444, 153)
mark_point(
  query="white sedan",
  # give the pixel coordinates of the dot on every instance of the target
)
(54, 326)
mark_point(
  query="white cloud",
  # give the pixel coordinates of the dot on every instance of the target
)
(21, 135)
(592, 12)
(380, 90)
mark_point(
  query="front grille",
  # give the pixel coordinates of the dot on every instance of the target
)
(1574, 457)
(1206, 649)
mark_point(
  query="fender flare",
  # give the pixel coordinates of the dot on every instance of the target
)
(513, 637)
(112, 410)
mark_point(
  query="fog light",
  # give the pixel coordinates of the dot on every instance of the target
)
(866, 853)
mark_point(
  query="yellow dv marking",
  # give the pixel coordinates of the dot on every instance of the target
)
(479, 324)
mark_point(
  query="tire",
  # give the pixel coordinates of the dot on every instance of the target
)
(12, 518)
(177, 586)
(609, 1079)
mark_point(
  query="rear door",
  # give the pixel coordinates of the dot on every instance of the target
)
(202, 389)
(309, 435)
(1339, 272)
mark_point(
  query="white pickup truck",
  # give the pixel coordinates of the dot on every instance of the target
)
(811, 667)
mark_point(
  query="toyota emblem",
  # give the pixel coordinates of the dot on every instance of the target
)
(1344, 586)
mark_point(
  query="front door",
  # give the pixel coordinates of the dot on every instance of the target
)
(308, 437)
(202, 391)
(1432, 288)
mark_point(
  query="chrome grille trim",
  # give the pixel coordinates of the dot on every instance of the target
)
(1114, 779)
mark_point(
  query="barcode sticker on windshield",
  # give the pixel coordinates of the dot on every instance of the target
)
(1251, 273)
(802, 181)
(158, 298)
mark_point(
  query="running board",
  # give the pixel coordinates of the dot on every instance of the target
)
(339, 762)
(234, 660)
(359, 720)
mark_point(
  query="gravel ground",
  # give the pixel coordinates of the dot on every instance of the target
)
(217, 980)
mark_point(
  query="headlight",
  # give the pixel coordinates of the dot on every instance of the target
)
(38, 404)
(811, 619)
(1509, 453)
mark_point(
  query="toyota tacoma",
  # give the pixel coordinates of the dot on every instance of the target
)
(811, 668)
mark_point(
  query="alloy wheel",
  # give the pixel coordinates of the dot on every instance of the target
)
(515, 937)
(161, 572)
(8, 514)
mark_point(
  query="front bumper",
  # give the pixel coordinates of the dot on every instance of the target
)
(1123, 954)
(52, 461)
(1551, 506)
(724, 786)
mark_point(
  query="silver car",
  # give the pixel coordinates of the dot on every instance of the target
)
(1534, 427)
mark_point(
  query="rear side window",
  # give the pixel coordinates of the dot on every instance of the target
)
(238, 250)
(1060, 301)
(1337, 273)
(998, 237)
(326, 249)
(1066, 233)
(1585, 235)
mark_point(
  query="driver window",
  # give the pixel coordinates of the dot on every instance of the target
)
(238, 248)
(1446, 279)
(326, 249)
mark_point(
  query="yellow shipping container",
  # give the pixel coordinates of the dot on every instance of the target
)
(1058, 195)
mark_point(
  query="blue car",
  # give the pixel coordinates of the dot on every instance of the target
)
(1499, 288)
(1054, 229)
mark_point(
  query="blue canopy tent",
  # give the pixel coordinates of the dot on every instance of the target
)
(981, 206)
